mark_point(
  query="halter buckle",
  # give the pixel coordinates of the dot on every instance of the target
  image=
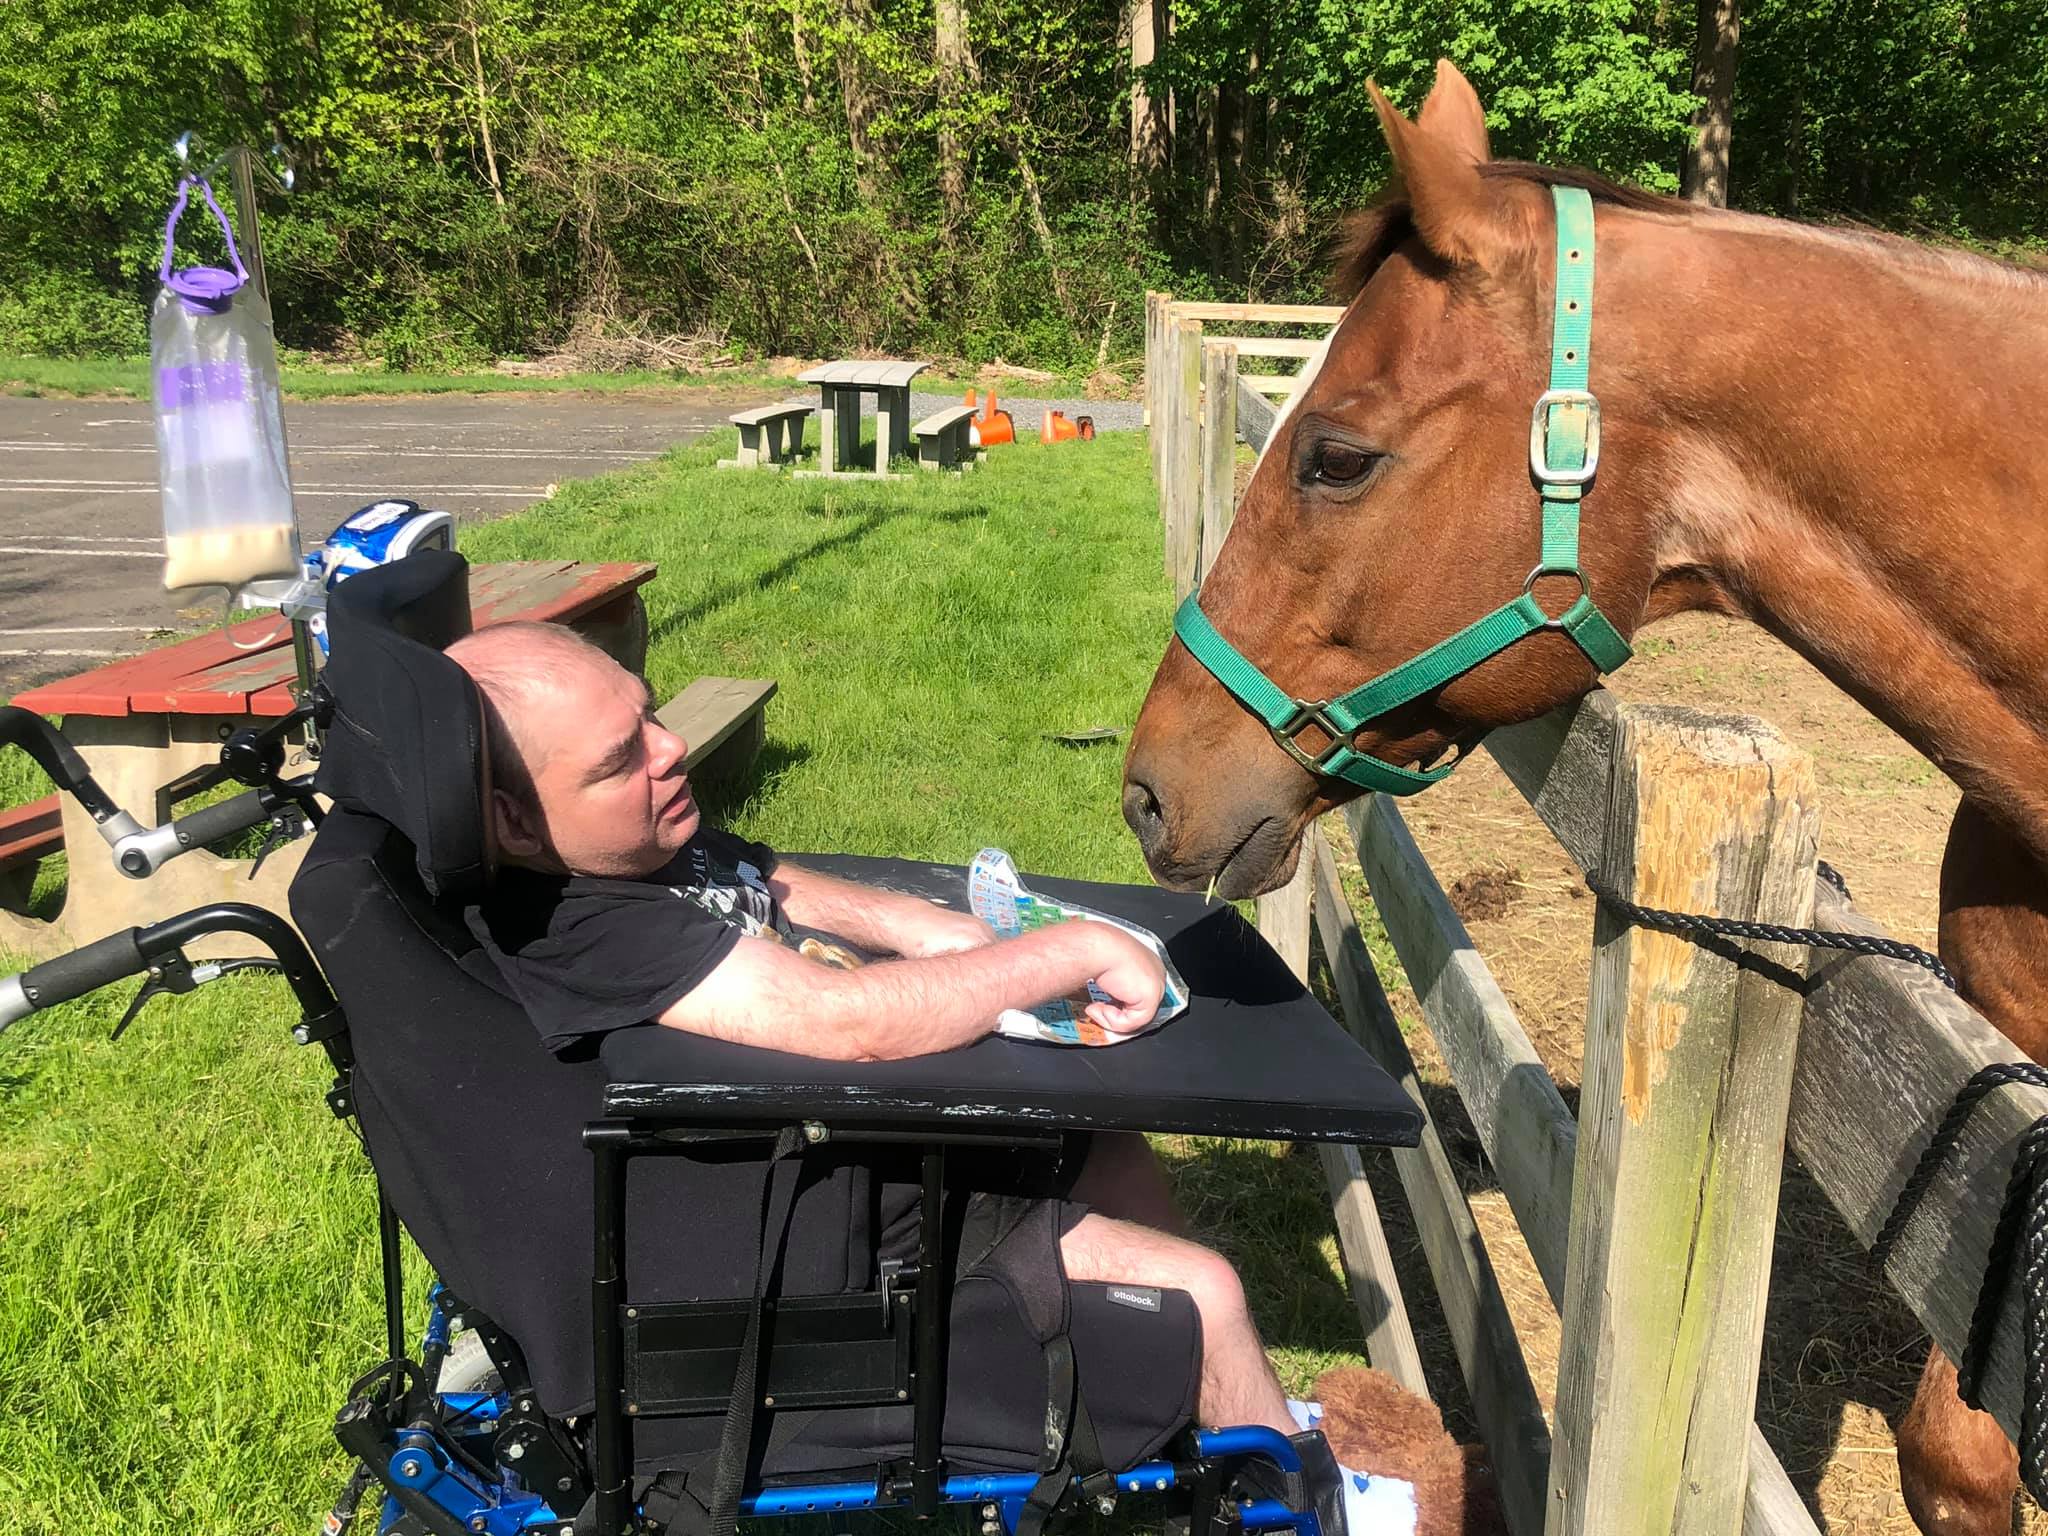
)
(1540, 466)
(1307, 713)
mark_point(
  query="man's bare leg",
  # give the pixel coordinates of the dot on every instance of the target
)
(1238, 1385)
(1123, 1179)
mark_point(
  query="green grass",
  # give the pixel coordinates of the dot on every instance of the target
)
(187, 1250)
(128, 379)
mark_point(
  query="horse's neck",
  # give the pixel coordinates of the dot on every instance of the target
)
(1859, 469)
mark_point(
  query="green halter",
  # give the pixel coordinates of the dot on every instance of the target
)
(1564, 452)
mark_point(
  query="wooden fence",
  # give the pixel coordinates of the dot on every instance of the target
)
(1650, 1215)
(1199, 405)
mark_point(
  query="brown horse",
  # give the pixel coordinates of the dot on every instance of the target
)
(1835, 435)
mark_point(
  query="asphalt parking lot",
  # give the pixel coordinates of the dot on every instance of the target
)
(80, 534)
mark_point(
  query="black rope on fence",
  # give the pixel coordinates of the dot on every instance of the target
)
(1695, 927)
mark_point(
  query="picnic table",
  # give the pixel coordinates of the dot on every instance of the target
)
(840, 386)
(143, 721)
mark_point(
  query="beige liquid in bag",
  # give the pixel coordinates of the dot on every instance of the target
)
(229, 557)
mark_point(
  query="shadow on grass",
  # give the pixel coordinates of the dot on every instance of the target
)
(730, 592)
(726, 796)
(1268, 1212)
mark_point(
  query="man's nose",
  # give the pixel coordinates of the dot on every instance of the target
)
(665, 749)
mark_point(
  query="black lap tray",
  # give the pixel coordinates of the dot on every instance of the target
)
(1255, 1054)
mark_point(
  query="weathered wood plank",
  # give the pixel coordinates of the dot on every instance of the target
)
(1885, 1047)
(1687, 1078)
(1489, 1354)
(1255, 416)
(1261, 314)
(1528, 1134)
(1272, 346)
(1563, 765)
(1184, 473)
(1281, 385)
(1219, 453)
(1369, 1269)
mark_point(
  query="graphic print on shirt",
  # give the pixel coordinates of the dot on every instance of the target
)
(734, 892)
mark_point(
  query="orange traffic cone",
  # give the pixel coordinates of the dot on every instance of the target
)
(991, 426)
(1055, 428)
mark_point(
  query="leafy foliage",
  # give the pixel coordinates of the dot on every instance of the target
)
(481, 177)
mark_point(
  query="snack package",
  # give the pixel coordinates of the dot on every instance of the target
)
(997, 896)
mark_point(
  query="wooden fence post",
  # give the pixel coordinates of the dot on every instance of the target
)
(1219, 452)
(1687, 1078)
(1184, 471)
(1155, 308)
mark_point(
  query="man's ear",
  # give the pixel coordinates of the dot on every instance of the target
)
(1464, 219)
(1452, 112)
(514, 830)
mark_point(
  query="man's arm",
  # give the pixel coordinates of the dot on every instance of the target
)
(764, 994)
(885, 922)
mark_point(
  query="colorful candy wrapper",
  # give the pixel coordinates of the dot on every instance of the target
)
(997, 896)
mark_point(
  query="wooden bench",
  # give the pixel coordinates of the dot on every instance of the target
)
(723, 721)
(776, 431)
(943, 441)
(28, 835)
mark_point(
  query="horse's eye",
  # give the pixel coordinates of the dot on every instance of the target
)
(1341, 464)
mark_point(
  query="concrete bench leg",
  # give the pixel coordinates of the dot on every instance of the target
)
(795, 445)
(775, 453)
(750, 445)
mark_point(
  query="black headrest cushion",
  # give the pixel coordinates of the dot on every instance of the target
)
(406, 739)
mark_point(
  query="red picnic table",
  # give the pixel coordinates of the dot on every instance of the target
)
(145, 720)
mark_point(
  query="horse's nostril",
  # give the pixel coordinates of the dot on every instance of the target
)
(1141, 811)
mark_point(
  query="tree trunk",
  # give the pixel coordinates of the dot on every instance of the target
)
(1213, 151)
(801, 51)
(1151, 148)
(1704, 178)
(1235, 102)
(858, 96)
(483, 119)
(952, 57)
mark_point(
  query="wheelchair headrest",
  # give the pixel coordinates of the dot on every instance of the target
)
(405, 742)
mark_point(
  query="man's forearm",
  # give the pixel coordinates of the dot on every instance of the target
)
(864, 915)
(882, 1012)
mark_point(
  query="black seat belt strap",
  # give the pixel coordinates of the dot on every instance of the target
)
(735, 1445)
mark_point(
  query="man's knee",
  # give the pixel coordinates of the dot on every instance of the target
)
(1099, 1248)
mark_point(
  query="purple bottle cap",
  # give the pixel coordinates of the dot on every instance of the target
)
(205, 289)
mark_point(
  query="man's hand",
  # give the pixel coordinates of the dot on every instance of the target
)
(1128, 971)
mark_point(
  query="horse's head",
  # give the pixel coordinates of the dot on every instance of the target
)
(1394, 505)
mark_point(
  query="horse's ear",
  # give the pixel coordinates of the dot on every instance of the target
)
(1452, 112)
(1460, 217)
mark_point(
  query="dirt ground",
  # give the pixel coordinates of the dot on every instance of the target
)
(1841, 1356)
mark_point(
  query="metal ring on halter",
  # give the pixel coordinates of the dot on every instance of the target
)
(1556, 621)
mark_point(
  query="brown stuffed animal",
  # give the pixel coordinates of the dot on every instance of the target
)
(1379, 1427)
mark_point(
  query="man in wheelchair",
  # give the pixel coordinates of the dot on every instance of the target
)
(848, 1253)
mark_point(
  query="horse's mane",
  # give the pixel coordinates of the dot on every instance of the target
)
(1370, 235)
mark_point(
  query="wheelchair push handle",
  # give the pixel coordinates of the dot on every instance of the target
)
(158, 952)
(26, 729)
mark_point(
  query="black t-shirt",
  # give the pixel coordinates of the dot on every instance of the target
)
(585, 955)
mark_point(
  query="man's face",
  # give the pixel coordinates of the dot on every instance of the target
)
(608, 777)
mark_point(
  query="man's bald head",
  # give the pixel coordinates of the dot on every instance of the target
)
(584, 779)
(527, 672)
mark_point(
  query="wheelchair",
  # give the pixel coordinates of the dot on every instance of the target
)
(661, 1301)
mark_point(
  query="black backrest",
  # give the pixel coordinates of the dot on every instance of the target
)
(474, 1127)
(406, 739)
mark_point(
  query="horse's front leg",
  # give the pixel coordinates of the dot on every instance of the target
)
(1956, 1467)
